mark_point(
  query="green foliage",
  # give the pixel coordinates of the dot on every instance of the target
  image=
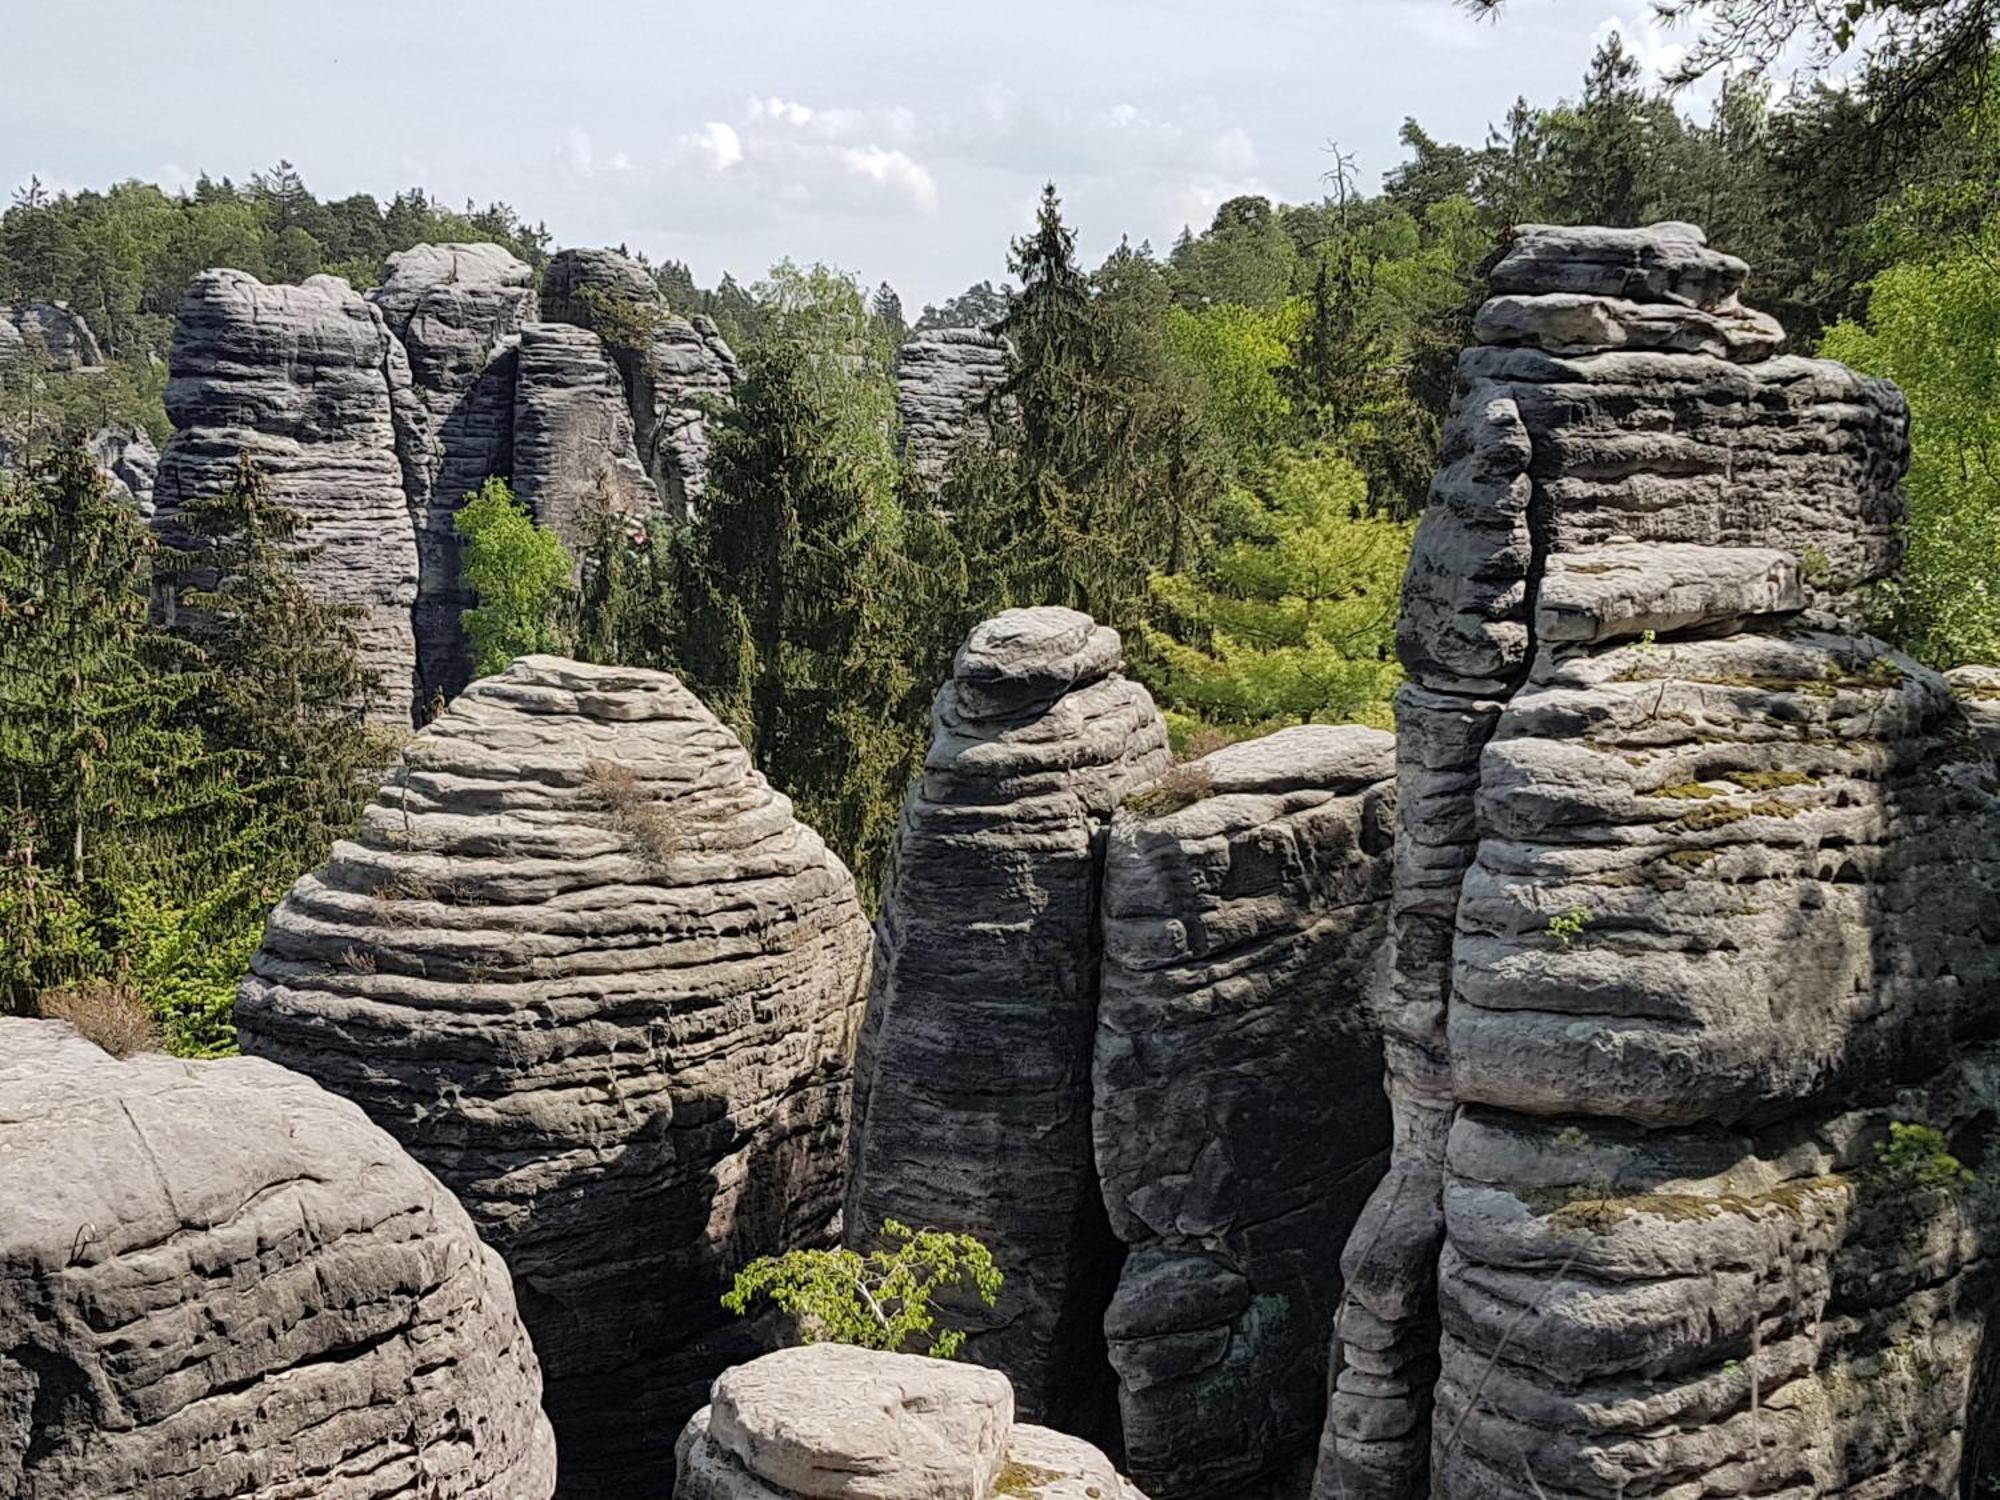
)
(520, 572)
(1292, 620)
(882, 1300)
(1566, 927)
(1235, 353)
(1917, 1156)
(1933, 326)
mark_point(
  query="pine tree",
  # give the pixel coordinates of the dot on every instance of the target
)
(286, 684)
(885, 312)
(105, 783)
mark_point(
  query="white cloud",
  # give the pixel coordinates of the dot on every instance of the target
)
(894, 169)
(578, 155)
(716, 144)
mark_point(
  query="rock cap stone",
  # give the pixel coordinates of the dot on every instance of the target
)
(1666, 262)
(1023, 660)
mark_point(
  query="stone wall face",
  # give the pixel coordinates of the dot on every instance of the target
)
(1694, 899)
(582, 961)
(309, 383)
(1239, 1128)
(217, 1279)
(973, 1107)
(943, 380)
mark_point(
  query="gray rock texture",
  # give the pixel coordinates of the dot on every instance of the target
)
(1978, 692)
(219, 1280)
(1239, 1127)
(311, 385)
(973, 1093)
(50, 330)
(458, 310)
(825, 1422)
(676, 370)
(130, 462)
(576, 454)
(583, 962)
(1695, 898)
(944, 377)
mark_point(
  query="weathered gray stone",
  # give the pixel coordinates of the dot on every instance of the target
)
(1978, 692)
(309, 384)
(583, 962)
(130, 462)
(576, 453)
(973, 1100)
(1683, 924)
(52, 331)
(1239, 1126)
(944, 378)
(824, 1422)
(1568, 323)
(457, 308)
(217, 1279)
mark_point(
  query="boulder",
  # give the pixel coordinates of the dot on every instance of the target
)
(944, 378)
(309, 383)
(1240, 1126)
(826, 1422)
(458, 310)
(584, 963)
(217, 1279)
(973, 1096)
(1694, 904)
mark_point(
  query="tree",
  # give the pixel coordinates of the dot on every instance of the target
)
(1293, 621)
(1246, 258)
(1933, 326)
(106, 786)
(882, 1300)
(520, 572)
(885, 314)
(980, 305)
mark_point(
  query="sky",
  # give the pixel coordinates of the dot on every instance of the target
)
(896, 140)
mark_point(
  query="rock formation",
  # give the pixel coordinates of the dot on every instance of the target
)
(1239, 1126)
(826, 1422)
(458, 310)
(1694, 901)
(675, 370)
(50, 330)
(216, 1279)
(309, 382)
(130, 462)
(582, 961)
(1978, 692)
(972, 1107)
(943, 379)
(575, 450)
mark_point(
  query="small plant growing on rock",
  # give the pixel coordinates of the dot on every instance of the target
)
(107, 1012)
(1566, 928)
(635, 812)
(881, 1300)
(1915, 1156)
(1177, 787)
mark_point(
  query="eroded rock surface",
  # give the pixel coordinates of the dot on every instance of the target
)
(576, 453)
(1239, 1124)
(52, 332)
(825, 1422)
(458, 310)
(1695, 898)
(217, 1279)
(973, 1095)
(944, 377)
(583, 962)
(308, 383)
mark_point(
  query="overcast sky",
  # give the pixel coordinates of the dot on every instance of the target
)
(897, 140)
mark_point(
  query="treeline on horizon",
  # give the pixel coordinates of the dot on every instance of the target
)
(1220, 449)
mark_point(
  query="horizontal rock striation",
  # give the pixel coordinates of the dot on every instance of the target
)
(944, 378)
(973, 1099)
(576, 454)
(583, 962)
(216, 1279)
(1239, 1125)
(308, 383)
(1695, 903)
(50, 333)
(458, 310)
(826, 1422)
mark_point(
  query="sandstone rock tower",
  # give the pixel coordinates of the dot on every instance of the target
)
(943, 379)
(309, 382)
(217, 1279)
(583, 962)
(973, 1099)
(1239, 1126)
(1694, 902)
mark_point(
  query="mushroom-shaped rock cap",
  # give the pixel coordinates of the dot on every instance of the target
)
(1336, 757)
(1668, 262)
(470, 267)
(217, 1279)
(1023, 660)
(836, 1423)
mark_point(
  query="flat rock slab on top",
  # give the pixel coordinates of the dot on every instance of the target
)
(217, 1280)
(1667, 262)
